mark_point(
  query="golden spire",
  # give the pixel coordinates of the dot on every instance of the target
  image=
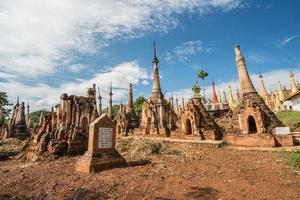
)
(246, 85)
(214, 98)
(280, 93)
(294, 86)
(231, 101)
(156, 90)
(277, 101)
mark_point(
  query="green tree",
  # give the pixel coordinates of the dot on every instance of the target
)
(138, 103)
(4, 104)
(35, 116)
(202, 74)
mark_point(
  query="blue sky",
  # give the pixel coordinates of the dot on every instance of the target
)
(50, 47)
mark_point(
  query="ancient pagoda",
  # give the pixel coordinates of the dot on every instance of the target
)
(254, 114)
(127, 119)
(157, 112)
(196, 120)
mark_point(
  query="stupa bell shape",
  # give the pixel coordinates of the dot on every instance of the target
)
(246, 85)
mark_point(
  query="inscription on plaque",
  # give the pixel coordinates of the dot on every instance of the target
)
(105, 138)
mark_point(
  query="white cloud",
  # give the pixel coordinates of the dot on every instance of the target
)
(76, 68)
(184, 50)
(287, 40)
(271, 79)
(45, 96)
(38, 36)
(259, 58)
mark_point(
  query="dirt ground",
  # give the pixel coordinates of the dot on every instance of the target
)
(158, 171)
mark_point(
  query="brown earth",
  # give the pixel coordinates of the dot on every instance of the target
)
(157, 170)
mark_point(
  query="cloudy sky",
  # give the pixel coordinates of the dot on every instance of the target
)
(48, 47)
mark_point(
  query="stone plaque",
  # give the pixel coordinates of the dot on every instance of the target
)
(282, 130)
(105, 138)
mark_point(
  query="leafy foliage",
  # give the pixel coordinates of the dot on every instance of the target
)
(202, 74)
(138, 104)
(4, 103)
(35, 116)
(115, 110)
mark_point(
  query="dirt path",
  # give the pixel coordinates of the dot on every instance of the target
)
(197, 172)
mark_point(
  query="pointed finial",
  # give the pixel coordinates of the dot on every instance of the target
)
(155, 59)
(110, 89)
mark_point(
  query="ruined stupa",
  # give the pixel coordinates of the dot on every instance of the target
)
(254, 115)
(65, 131)
(127, 119)
(17, 125)
(195, 119)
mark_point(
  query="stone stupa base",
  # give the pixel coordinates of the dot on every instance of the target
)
(99, 162)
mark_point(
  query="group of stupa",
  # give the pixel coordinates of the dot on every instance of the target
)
(249, 118)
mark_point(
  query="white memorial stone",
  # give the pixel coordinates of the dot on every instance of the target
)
(105, 138)
(282, 130)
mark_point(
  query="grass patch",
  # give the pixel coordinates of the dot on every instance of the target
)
(10, 147)
(291, 158)
(290, 118)
(144, 147)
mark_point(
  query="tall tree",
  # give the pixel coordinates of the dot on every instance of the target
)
(35, 116)
(138, 104)
(4, 104)
(203, 74)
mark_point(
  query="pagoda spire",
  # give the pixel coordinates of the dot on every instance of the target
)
(246, 85)
(224, 97)
(172, 101)
(100, 102)
(231, 101)
(18, 101)
(130, 107)
(294, 86)
(182, 104)
(156, 90)
(262, 89)
(177, 107)
(214, 98)
(280, 92)
(109, 114)
(220, 98)
(28, 107)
